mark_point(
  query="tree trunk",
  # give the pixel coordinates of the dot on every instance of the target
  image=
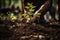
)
(22, 6)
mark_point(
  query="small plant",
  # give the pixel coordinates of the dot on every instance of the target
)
(2, 16)
(9, 16)
(30, 9)
(30, 13)
(12, 17)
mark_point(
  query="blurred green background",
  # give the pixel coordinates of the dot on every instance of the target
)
(7, 3)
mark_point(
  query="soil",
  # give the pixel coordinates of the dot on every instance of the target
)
(28, 31)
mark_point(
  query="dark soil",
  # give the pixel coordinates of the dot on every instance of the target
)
(28, 31)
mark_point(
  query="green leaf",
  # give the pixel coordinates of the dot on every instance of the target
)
(26, 7)
(30, 10)
(29, 4)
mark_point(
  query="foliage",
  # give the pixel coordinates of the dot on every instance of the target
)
(12, 17)
(2, 16)
(29, 14)
(30, 9)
